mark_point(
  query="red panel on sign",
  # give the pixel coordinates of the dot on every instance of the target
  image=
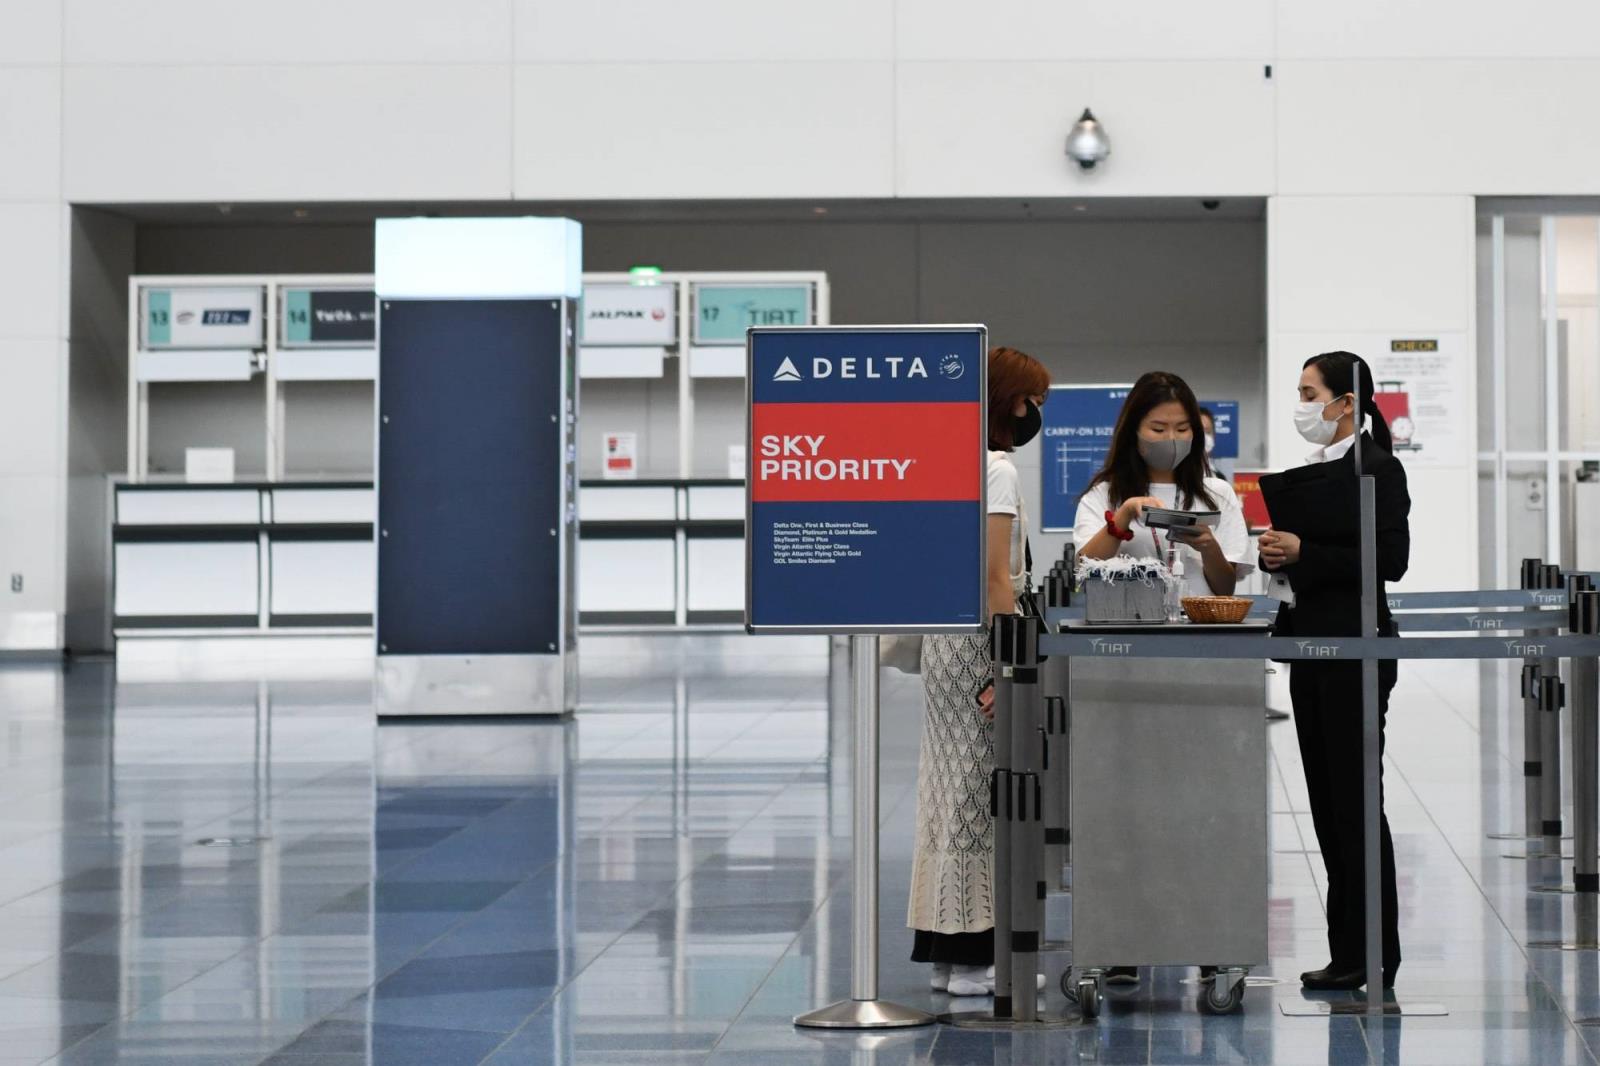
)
(865, 451)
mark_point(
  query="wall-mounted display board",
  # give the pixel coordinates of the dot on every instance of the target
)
(193, 316)
(327, 318)
(628, 313)
(722, 312)
(1078, 421)
(1225, 416)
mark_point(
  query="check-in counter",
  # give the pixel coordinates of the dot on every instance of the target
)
(664, 552)
(242, 557)
(247, 557)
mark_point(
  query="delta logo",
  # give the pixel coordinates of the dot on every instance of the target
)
(870, 367)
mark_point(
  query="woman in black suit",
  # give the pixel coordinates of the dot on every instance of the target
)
(1315, 556)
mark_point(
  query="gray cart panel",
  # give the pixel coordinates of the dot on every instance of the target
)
(1169, 812)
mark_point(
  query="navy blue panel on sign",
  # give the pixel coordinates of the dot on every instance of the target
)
(823, 366)
(1078, 421)
(1225, 415)
(469, 469)
(864, 564)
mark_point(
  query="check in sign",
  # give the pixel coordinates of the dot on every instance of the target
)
(867, 479)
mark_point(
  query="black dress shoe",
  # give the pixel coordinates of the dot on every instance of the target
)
(1329, 979)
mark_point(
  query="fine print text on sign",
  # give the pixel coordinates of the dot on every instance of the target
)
(867, 479)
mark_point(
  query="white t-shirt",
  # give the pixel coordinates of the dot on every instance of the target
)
(1005, 497)
(1231, 533)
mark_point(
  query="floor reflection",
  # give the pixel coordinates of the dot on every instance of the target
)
(256, 872)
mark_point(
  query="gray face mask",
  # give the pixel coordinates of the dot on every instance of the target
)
(1164, 455)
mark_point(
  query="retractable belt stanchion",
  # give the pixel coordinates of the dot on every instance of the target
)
(1002, 800)
(1580, 645)
(1583, 619)
(1550, 699)
(1532, 745)
(1026, 886)
(1055, 679)
(864, 1010)
(1015, 796)
(1371, 743)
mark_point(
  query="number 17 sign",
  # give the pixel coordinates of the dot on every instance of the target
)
(867, 479)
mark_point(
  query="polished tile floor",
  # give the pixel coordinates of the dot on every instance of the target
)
(253, 872)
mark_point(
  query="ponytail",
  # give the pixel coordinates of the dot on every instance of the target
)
(1339, 372)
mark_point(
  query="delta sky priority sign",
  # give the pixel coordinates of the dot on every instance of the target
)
(866, 469)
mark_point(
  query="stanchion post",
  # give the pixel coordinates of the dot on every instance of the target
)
(1002, 801)
(864, 1010)
(1532, 737)
(1550, 701)
(839, 723)
(1371, 747)
(1053, 693)
(1583, 617)
(1027, 830)
(1057, 787)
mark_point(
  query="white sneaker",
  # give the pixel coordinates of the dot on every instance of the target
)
(971, 981)
(989, 974)
(940, 981)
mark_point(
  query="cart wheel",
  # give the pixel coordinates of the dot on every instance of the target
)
(1216, 1002)
(1066, 983)
(1089, 997)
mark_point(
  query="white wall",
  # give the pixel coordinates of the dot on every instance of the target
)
(1422, 104)
(97, 439)
(1337, 282)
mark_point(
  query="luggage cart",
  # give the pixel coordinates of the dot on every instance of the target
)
(1169, 815)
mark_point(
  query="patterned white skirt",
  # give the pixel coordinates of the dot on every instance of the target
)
(952, 873)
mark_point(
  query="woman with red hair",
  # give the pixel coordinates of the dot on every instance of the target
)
(952, 871)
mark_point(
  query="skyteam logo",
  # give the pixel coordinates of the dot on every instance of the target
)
(952, 367)
(786, 371)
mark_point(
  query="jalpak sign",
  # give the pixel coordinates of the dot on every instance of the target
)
(867, 479)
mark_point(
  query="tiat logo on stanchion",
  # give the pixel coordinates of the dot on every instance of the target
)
(1102, 646)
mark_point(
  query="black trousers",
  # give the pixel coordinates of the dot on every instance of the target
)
(956, 949)
(1327, 720)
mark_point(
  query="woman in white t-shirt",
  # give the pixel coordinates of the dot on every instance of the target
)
(952, 868)
(1154, 462)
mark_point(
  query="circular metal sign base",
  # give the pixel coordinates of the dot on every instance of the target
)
(864, 1014)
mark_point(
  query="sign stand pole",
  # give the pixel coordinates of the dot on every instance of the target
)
(864, 1010)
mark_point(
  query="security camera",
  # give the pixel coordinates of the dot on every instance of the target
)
(1087, 143)
(1210, 205)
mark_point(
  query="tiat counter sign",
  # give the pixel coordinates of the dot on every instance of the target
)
(867, 479)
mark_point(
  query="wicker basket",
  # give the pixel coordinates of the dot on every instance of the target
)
(1213, 610)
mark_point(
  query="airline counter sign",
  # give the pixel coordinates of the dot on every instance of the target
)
(866, 465)
(202, 317)
(627, 314)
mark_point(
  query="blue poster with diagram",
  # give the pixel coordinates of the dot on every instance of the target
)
(1225, 416)
(1078, 421)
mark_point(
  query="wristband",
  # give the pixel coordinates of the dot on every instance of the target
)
(1111, 527)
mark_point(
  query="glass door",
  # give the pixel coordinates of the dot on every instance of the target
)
(1538, 391)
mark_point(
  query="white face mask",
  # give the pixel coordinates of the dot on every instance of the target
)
(1211, 443)
(1312, 426)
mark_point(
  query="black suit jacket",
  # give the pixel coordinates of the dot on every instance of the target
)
(1320, 502)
